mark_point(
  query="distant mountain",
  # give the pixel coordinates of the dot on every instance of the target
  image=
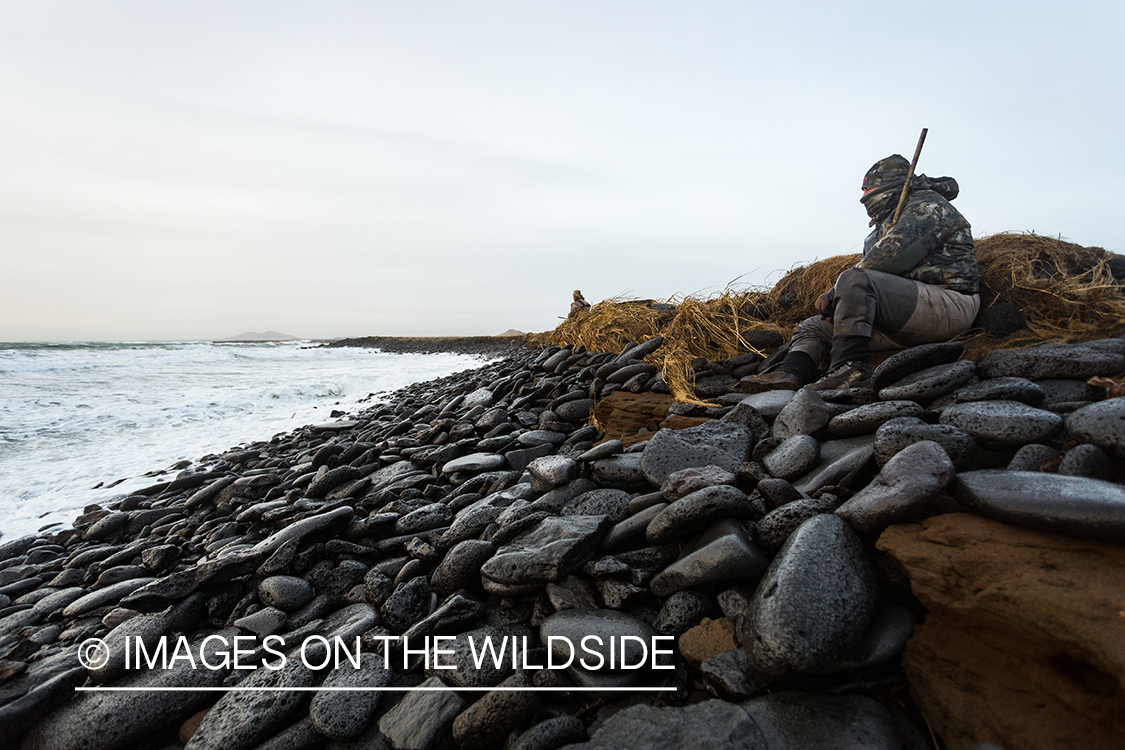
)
(512, 332)
(253, 336)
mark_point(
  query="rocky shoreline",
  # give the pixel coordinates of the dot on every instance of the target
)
(851, 569)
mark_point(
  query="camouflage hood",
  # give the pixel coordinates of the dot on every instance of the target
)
(882, 186)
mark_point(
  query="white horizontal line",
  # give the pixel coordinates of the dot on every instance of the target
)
(417, 689)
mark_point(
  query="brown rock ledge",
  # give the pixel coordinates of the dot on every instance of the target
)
(1024, 645)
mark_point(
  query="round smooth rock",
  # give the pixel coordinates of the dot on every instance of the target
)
(1086, 460)
(815, 601)
(693, 512)
(896, 434)
(1075, 506)
(869, 417)
(686, 481)
(474, 463)
(903, 489)
(1033, 457)
(795, 457)
(1003, 422)
(1057, 360)
(571, 626)
(931, 383)
(915, 359)
(603, 450)
(769, 403)
(710, 725)
(776, 526)
(536, 438)
(1102, 424)
(1066, 391)
(287, 593)
(575, 412)
(1003, 389)
(791, 719)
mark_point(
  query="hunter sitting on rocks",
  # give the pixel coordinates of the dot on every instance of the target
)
(916, 284)
(578, 305)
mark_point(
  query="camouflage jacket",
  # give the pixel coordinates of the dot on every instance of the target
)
(931, 243)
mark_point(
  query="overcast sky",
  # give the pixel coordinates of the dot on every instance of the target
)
(183, 170)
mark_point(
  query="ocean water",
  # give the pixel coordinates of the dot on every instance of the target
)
(76, 418)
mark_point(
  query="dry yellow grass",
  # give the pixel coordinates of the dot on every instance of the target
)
(1065, 291)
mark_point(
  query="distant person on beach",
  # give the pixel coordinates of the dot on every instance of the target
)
(917, 283)
(578, 305)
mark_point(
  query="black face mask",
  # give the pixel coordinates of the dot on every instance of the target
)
(881, 202)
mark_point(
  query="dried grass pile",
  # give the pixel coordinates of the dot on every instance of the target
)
(793, 297)
(1065, 291)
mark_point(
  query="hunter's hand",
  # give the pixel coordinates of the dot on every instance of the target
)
(823, 304)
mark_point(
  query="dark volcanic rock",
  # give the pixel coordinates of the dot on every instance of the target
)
(815, 601)
(340, 714)
(686, 481)
(896, 434)
(931, 383)
(489, 721)
(1033, 457)
(461, 566)
(287, 593)
(902, 490)
(1102, 424)
(1079, 361)
(1003, 422)
(805, 414)
(691, 513)
(776, 526)
(117, 720)
(915, 359)
(867, 418)
(711, 725)
(795, 457)
(813, 720)
(1075, 506)
(839, 460)
(571, 626)
(724, 552)
(421, 719)
(552, 734)
(1003, 389)
(714, 443)
(555, 547)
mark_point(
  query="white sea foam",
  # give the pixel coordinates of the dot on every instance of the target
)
(75, 417)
